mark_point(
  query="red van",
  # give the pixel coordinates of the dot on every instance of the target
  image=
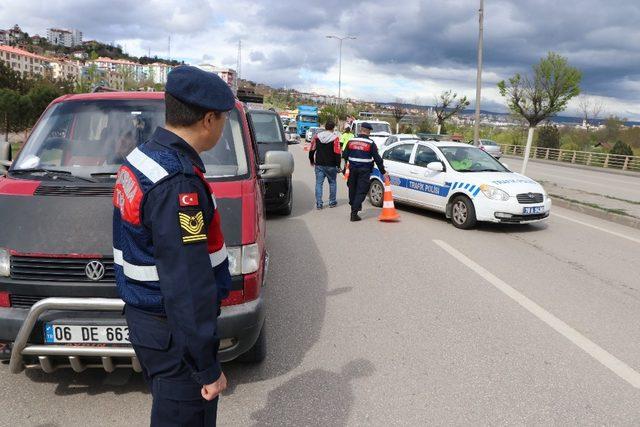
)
(58, 301)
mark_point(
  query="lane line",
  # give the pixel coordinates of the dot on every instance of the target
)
(611, 362)
(595, 227)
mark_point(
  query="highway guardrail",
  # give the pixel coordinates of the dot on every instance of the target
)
(586, 158)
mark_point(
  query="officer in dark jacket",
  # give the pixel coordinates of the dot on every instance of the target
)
(361, 152)
(171, 263)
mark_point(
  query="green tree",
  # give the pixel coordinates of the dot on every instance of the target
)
(426, 125)
(447, 105)
(15, 111)
(540, 96)
(549, 137)
(621, 148)
(10, 79)
(40, 96)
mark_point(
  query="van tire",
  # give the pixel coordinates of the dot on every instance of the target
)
(288, 208)
(258, 352)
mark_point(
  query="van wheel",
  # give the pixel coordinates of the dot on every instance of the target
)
(258, 352)
(376, 193)
(286, 210)
(463, 214)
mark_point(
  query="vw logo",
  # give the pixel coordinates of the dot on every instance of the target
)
(94, 270)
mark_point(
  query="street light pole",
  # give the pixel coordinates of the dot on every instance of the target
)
(340, 39)
(476, 127)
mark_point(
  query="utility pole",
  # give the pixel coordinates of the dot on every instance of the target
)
(169, 48)
(340, 39)
(476, 127)
(239, 61)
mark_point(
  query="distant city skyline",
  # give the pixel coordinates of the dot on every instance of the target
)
(410, 52)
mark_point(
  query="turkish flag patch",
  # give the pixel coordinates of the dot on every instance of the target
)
(188, 199)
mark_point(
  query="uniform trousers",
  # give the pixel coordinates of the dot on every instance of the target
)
(177, 400)
(358, 184)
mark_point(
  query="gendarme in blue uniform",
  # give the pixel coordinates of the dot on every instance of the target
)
(171, 263)
(361, 152)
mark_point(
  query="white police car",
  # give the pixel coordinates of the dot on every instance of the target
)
(464, 182)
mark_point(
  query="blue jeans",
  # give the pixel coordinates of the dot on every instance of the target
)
(329, 172)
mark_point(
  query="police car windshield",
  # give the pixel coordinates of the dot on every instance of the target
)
(471, 159)
(93, 137)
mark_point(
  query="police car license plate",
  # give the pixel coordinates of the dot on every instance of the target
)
(76, 334)
(533, 210)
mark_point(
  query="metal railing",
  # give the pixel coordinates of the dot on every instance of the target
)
(586, 158)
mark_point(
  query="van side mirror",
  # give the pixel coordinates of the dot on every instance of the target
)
(505, 165)
(277, 164)
(435, 166)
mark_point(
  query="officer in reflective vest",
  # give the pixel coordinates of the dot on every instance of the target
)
(171, 263)
(361, 152)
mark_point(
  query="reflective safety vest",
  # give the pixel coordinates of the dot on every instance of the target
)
(187, 221)
(360, 152)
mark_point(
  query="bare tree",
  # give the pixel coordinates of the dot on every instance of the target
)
(447, 105)
(398, 112)
(590, 109)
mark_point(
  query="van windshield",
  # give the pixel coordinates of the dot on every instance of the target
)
(92, 138)
(266, 128)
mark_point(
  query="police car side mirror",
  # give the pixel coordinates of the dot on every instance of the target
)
(277, 164)
(435, 166)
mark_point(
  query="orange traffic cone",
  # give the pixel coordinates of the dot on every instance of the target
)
(346, 172)
(389, 213)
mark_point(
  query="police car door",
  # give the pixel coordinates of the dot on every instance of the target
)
(427, 187)
(396, 162)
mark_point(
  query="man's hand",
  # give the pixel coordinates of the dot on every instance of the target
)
(386, 176)
(211, 391)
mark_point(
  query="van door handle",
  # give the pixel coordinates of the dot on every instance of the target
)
(414, 172)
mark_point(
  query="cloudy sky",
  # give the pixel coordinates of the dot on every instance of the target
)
(408, 49)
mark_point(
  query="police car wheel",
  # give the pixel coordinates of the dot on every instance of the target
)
(463, 214)
(376, 193)
(258, 352)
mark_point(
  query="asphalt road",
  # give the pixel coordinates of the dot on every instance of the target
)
(413, 323)
(594, 181)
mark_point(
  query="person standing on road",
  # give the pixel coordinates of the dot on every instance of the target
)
(361, 152)
(324, 155)
(171, 263)
(346, 136)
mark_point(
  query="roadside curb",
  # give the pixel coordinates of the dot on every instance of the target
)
(576, 166)
(598, 213)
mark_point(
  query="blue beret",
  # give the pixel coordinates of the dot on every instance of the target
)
(366, 126)
(194, 86)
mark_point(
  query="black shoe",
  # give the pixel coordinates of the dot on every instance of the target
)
(355, 217)
(319, 207)
(333, 205)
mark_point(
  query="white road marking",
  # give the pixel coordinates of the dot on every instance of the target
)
(617, 366)
(604, 230)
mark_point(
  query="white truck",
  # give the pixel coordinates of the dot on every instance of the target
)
(379, 134)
